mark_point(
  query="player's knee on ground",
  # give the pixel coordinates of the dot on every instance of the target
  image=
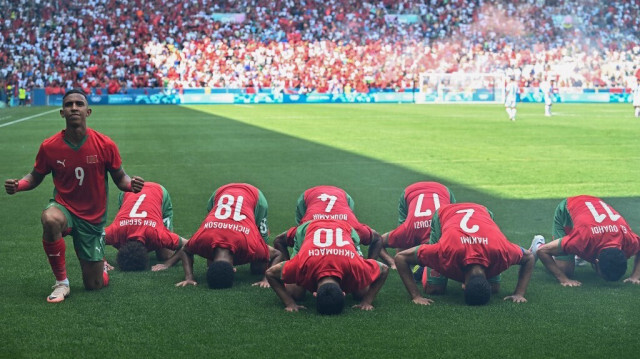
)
(477, 290)
(330, 299)
(92, 276)
(612, 263)
(132, 257)
(220, 275)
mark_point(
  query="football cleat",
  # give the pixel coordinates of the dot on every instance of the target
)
(537, 241)
(60, 292)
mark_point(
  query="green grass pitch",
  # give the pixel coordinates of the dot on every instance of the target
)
(520, 170)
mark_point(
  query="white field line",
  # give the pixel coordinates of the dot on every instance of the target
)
(27, 118)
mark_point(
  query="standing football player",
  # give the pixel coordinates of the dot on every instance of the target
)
(546, 87)
(635, 95)
(511, 98)
(78, 159)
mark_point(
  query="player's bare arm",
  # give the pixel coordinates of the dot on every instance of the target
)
(273, 276)
(187, 265)
(546, 253)
(175, 258)
(375, 246)
(367, 300)
(27, 183)
(635, 274)
(384, 255)
(524, 275)
(125, 183)
(280, 243)
(275, 257)
(403, 262)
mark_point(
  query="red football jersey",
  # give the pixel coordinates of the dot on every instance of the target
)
(469, 236)
(80, 174)
(329, 202)
(596, 226)
(328, 250)
(140, 217)
(231, 224)
(421, 201)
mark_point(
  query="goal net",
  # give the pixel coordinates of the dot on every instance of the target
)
(460, 88)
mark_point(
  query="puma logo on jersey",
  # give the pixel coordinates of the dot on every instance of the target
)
(61, 162)
(55, 255)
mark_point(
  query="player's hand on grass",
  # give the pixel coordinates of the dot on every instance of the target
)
(136, 184)
(262, 284)
(632, 280)
(422, 301)
(516, 298)
(187, 282)
(363, 306)
(158, 267)
(570, 283)
(294, 308)
(11, 186)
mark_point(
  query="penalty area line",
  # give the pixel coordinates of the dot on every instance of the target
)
(27, 118)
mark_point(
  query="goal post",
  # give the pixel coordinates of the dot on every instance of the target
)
(461, 88)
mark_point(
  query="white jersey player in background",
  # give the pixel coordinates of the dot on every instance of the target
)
(635, 95)
(511, 93)
(546, 87)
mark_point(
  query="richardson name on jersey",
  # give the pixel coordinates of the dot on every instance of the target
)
(333, 217)
(331, 252)
(474, 240)
(231, 226)
(138, 222)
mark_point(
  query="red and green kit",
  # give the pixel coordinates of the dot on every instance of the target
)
(585, 225)
(80, 172)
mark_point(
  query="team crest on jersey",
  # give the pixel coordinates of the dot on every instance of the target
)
(92, 159)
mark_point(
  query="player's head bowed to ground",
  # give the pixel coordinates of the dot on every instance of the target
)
(235, 232)
(589, 228)
(144, 223)
(466, 245)
(329, 265)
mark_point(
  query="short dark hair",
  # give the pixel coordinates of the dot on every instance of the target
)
(133, 256)
(220, 275)
(330, 299)
(612, 263)
(477, 290)
(76, 90)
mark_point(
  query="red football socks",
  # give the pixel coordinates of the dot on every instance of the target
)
(105, 278)
(56, 255)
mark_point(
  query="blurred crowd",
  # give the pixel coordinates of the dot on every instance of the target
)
(313, 45)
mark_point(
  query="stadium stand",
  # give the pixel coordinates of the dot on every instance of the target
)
(312, 45)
